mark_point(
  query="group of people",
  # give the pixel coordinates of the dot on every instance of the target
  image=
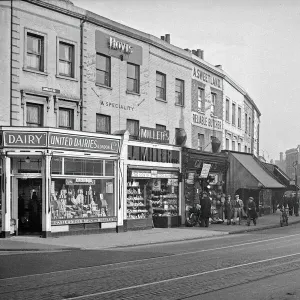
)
(230, 210)
(292, 203)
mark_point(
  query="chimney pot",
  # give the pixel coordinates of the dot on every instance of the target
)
(202, 54)
(162, 38)
(281, 156)
(168, 38)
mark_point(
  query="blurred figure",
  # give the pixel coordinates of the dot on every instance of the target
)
(205, 209)
(251, 211)
(228, 209)
(291, 205)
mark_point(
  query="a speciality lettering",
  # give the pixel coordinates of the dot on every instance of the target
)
(119, 45)
(116, 105)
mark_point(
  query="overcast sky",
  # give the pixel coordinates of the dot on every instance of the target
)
(256, 41)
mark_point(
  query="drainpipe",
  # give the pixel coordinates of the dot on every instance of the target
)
(81, 72)
(11, 45)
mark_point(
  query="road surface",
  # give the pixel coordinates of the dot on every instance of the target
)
(257, 265)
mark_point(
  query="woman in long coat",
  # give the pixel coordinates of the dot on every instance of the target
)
(205, 209)
(228, 209)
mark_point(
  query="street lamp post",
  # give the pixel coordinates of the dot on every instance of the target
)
(295, 165)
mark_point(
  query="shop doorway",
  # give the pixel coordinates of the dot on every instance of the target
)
(30, 206)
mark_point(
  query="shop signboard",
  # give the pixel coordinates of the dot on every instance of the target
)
(80, 181)
(205, 170)
(151, 174)
(83, 220)
(83, 143)
(154, 135)
(25, 139)
(206, 121)
(208, 78)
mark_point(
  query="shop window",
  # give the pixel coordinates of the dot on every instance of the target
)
(109, 168)
(133, 78)
(160, 86)
(160, 127)
(133, 128)
(35, 52)
(34, 115)
(227, 110)
(233, 113)
(179, 92)
(56, 165)
(162, 191)
(201, 100)
(66, 118)
(90, 167)
(103, 124)
(82, 198)
(103, 70)
(66, 59)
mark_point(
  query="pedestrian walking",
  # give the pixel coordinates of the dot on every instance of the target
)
(205, 210)
(251, 211)
(239, 208)
(228, 209)
(296, 205)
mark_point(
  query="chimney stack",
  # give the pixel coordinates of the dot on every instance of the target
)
(188, 50)
(281, 156)
(168, 38)
(162, 38)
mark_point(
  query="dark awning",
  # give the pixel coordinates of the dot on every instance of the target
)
(254, 167)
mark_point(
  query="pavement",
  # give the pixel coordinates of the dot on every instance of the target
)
(134, 238)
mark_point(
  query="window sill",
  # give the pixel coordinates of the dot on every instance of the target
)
(103, 86)
(66, 77)
(161, 100)
(180, 105)
(132, 93)
(35, 71)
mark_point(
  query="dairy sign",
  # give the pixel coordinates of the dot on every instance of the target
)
(25, 139)
(203, 76)
(205, 121)
(81, 143)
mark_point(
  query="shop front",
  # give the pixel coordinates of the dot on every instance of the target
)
(202, 171)
(152, 180)
(59, 182)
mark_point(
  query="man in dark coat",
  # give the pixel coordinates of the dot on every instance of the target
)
(251, 211)
(291, 205)
(296, 205)
(205, 209)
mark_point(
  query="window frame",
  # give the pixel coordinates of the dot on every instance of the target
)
(164, 88)
(160, 127)
(181, 92)
(73, 58)
(26, 67)
(137, 79)
(246, 123)
(201, 99)
(227, 144)
(227, 108)
(239, 123)
(107, 71)
(200, 141)
(71, 116)
(131, 136)
(232, 145)
(109, 123)
(213, 103)
(233, 114)
(41, 114)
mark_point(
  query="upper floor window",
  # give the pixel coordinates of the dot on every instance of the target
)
(233, 113)
(133, 128)
(239, 117)
(161, 127)
(103, 70)
(249, 127)
(245, 149)
(179, 92)
(233, 145)
(201, 100)
(34, 115)
(103, 124)
(66, 118)
(213, 102)
(227, 144)
(35, 52)
(227, 110)
(246, 123)
(239, 147)
(133, 78)
(200, 145)
(66, 59)
(160, 86)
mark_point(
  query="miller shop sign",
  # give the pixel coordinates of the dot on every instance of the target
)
(153, 135)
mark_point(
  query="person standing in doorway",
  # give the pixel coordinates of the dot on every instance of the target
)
(228, 209)
(205, 210)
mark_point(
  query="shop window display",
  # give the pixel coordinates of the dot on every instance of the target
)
(82, 198)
